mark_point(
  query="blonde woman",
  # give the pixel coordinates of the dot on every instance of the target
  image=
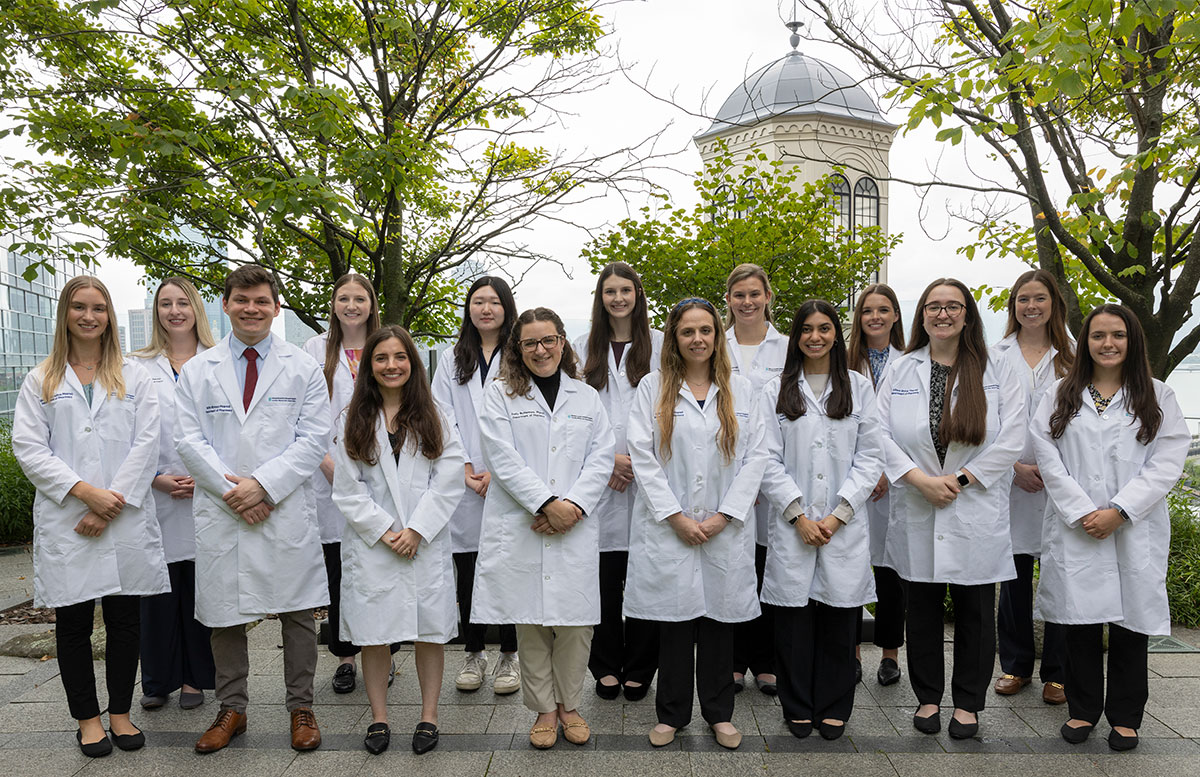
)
(85, 432)
(696, 445)
(176, 655)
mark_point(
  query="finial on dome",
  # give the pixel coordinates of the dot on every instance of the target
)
(794, 26)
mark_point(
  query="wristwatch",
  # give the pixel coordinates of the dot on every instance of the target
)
(1121, 511)
(962, 478)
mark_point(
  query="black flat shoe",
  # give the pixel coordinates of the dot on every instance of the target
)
(739, 685)
(929, 725)
(889, 672)
(425, 738)
(1076, 736)
(128, 741)
(609, 692)
(830, 731)
(799, 730)
(343, 678)
(94, 749)
(768, 689)
(636, 692)
(857, 671)
(959, 730)
(378, 737)
(1120, 742)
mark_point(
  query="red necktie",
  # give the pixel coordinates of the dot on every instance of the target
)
(251, 376)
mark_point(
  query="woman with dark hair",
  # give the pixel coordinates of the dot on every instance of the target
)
(85, 432)
(1110, 442)
(695, 438)
(466, 369)
(620, 350)
(353, 317)
(546, 436)
(953, 425)
(824, 458)
(397, 479)
(1039, 350)
(175, 649)
(876, 341)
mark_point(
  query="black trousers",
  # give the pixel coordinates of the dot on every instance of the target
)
(753, 647)
(333, 572)
(1128, 686)
(814, 651)
(890, 603)
(175, 646)
(1014, 628)
(626, 648)
(73, 639)
(974, 643)
(713, 642)
(474, 633)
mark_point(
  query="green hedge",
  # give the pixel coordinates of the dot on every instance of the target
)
(16, 492)
(1183, 565)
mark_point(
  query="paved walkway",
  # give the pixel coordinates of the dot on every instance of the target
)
(483, 734)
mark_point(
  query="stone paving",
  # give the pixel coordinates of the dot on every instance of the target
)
(484, 734)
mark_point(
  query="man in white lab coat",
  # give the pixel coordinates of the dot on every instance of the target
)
(252, 428)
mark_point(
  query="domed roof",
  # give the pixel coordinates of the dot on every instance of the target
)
(795, 85)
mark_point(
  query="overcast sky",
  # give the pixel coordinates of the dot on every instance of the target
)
(697, 52)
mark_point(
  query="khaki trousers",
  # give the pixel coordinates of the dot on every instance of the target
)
(232, 659)
(554, 663)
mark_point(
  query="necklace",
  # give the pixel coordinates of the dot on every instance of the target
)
(84, 366)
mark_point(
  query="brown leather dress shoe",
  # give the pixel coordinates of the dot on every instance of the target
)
(1008, 684)
(305, 734)
(1054, 693)
(229, 724)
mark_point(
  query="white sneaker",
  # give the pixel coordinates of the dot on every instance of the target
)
(508, 674)
(474, 669)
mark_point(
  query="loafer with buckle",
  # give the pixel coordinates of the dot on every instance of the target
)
(888, 672)
(543, 737)
(577, 732)
(425, 738)
(1008, 684)
(379, 736)
(1054, 693)
(343, 678)
(305, 734)
(229, 724)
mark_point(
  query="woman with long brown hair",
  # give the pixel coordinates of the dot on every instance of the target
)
(1039, 350)
(85, 432)
(696, 443)
(876, 341)
(353, 317)
(953, 425)
(465, 370)
(620, 349)
(546, 437)
(397, 479)
(1110, 443)
(175, 650)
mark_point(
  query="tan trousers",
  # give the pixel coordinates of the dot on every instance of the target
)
(554, 663)
(232, 658)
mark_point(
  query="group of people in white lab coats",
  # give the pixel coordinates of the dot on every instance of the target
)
(718, 500)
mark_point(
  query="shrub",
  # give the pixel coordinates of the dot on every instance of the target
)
(16, 492)
(1183, 562)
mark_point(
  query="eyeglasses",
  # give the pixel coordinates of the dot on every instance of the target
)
(933, 309)
(547, 342)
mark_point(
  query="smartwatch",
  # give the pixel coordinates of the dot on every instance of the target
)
(1121, 511)
(795, 518)
(962, 478)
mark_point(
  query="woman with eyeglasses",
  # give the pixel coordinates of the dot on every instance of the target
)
(954, 424)
(549, 447)
(1111, 442)
(695, 439)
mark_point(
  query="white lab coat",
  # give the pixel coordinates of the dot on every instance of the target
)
(1099, 463)
(331, 522)
(387, 598)
(1026, 509)
(967, 542)
(820, 461)
(767, 364)
(878, 512)
(668, 580)
(244, 572)
(533, 453)
(174, 515)
(615, 507)
(113, 444)
(465, 403)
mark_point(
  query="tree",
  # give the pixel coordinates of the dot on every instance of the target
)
(750, 210)
(391, 137)
(1089, 108)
